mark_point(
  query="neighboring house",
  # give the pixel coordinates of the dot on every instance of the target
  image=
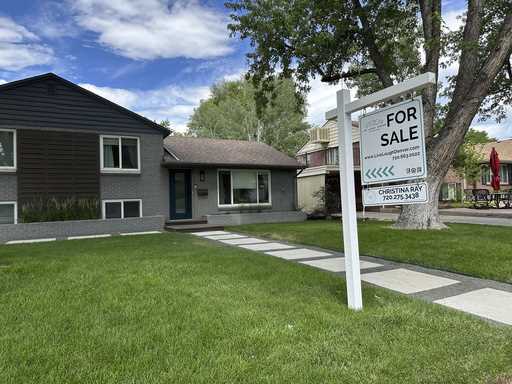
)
(318, 185)
(60, 142)
(453, 186)
(229, 180)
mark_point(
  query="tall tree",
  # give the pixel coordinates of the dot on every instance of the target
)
(232, 113)
(376, 43)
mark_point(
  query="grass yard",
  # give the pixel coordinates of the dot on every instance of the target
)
(477, 250)
(173, 308)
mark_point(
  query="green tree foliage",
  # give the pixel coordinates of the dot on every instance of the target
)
(468, 159)
(231, 113)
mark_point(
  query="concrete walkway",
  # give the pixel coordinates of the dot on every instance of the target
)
(445, 218)
(486, 299)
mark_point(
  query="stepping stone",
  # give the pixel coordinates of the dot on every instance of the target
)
(337, 264)
(266, 246)
(246, 240)
(406, 281)
(210, 233)
(489, 303)
(300, 253)
(224, 237)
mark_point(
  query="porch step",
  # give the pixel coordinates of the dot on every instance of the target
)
(193, 227)
(187, 221)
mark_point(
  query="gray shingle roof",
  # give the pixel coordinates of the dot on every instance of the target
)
(217, 152)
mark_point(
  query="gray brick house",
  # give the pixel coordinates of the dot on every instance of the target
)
(74, 164)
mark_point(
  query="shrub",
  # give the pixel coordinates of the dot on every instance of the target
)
(53, 209)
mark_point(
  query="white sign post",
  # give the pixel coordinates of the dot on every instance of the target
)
(393, 144)
(348, 199)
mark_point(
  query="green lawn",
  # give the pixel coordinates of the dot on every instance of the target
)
(477, 250)
(172, 308)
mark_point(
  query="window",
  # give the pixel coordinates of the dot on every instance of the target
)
(244, 187)
(8, 213)
(7, 150)
(308, 159)
(120, 154)
(503, 174)
(332, 156)
(486, 174)
(449, 192)
(122, 209)
(224, 187)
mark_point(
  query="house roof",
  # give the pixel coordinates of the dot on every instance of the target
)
(503, 147)
(53, 76)
(332, 130)
(187, 151)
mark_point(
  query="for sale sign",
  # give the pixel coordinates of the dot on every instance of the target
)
(396, 195)
(393, 143)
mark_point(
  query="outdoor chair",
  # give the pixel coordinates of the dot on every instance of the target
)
(481, 198)
(469, 196)
(506, 198)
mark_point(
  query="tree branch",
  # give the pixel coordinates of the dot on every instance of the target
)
(494, 62)
(369, 40)
(431, 18)
(468, 65)
(346, 75)
(464, 109)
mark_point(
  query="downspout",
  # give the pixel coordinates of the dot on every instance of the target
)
(296, 203)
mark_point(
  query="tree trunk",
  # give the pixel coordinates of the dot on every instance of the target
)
(423, 216)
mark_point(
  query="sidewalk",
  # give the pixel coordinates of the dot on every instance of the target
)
(445, 218)
(486, 299)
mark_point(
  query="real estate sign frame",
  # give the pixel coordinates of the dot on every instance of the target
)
(393, 143)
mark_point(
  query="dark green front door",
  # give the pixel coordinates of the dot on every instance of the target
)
(181, 194)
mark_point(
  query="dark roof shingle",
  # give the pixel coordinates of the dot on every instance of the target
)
(218, 152)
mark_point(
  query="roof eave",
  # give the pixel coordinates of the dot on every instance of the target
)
(187, 164)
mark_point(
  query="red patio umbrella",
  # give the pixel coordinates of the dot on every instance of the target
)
(494, 163)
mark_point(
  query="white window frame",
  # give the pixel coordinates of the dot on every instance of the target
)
(233, 205)
(15, 152)
(120, 169)
(15, 203)
(122, 201)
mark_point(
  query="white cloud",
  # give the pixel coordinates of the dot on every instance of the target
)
(454, 19)
(123, 97)
(152, 29)
(171, 102)
(20, 48)
(322, 98)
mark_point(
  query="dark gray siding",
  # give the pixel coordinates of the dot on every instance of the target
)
(51, 104)
(283, 193)
(57, 164)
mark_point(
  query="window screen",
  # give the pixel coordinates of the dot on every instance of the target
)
(131, 209)
(7, 214)
(6, 149)
(113, 210)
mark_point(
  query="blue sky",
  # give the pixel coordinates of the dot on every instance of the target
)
(156, 57)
